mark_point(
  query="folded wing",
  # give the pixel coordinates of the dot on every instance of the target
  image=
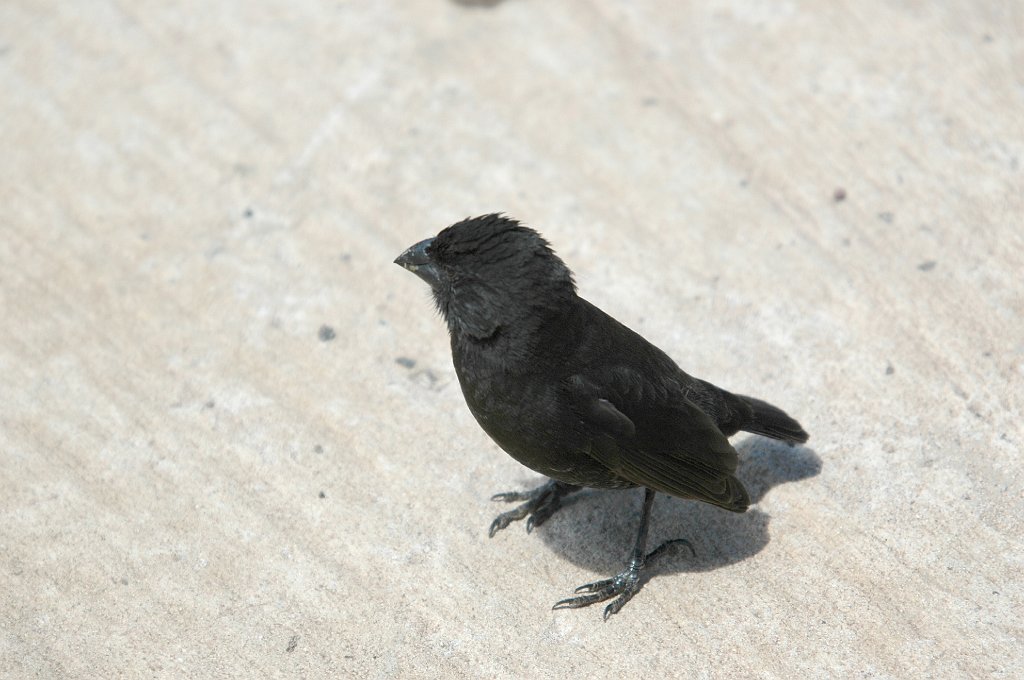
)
(654, 436)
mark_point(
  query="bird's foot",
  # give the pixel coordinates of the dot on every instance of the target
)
(622, 586)
(540, 504)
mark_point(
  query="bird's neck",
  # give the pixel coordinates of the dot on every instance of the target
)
(540, 341)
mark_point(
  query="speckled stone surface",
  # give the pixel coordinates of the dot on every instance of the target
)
(232, 440)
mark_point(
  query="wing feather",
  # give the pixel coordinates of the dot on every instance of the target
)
(654, 436)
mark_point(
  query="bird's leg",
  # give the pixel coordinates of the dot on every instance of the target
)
(626, 584)
(540, 504)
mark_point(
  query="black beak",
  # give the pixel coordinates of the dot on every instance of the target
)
(417, 260)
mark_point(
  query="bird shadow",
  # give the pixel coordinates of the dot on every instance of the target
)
(596, 529)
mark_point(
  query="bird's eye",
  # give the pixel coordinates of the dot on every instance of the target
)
(437, 251)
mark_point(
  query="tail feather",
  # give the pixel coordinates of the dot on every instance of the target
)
(773, 422)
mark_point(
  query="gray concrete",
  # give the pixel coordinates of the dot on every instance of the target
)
(194, 484)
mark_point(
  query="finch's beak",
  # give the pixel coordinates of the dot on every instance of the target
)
(417, 260)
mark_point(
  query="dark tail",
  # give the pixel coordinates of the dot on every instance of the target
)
(772, 422)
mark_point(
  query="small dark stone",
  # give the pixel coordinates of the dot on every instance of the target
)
(247, 213)
(323, 495)
(889, 369)
(318, 449)
(477, 3)
(210, 404)
(326, 333)
(839, 195)
(927, 265)
(405, 362)
(293, 643)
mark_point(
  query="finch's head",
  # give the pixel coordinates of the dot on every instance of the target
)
(490, 272)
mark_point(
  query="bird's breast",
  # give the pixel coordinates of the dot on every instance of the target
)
(524, 414)
(531, 417)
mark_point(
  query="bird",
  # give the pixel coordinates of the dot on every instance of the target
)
(575, 395)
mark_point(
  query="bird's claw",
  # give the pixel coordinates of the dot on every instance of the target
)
(506, 518)
(622, 586)
(540, 504)
(499, 523)
(512, 496)
(595, 586)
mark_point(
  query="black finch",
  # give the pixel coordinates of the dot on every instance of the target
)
(573, 394)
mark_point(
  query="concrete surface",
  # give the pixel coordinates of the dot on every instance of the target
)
(819, 203)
